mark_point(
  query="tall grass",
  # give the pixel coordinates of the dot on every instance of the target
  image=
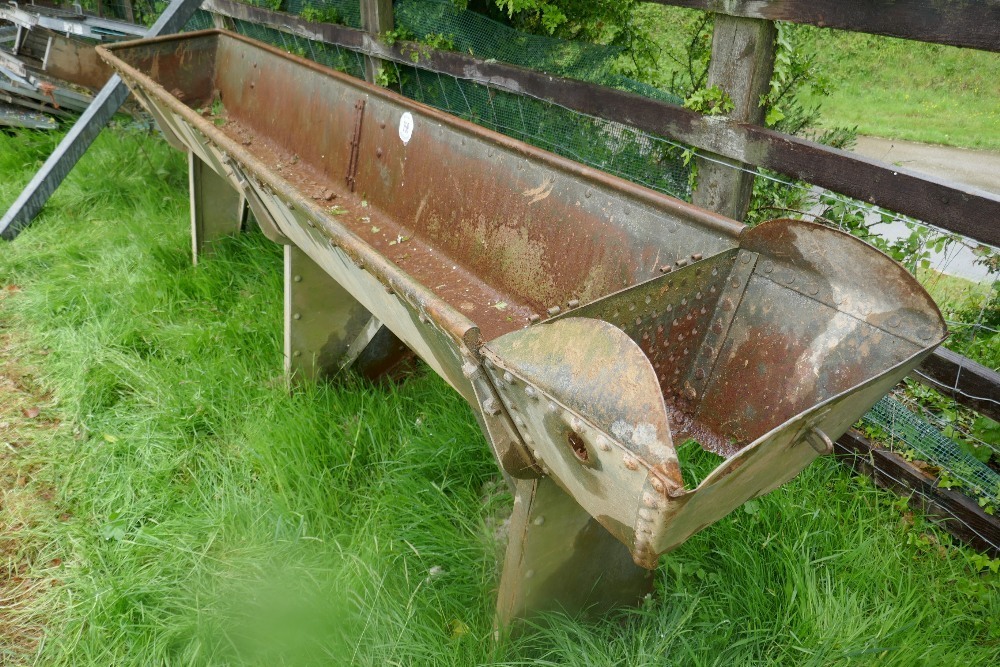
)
(205, 516)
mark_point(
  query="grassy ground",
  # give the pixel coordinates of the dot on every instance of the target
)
(183, 508)
(886, 87)
(901, 89)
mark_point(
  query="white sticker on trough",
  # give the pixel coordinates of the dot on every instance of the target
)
(406, 127)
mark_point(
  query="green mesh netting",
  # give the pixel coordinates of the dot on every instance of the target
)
(611, 147)
(930, 444)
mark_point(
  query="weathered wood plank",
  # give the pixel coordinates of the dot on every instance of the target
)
(955, 207)
(978, 387)
(970, 23)
(376, 18)
(742, 64)
(958, 514)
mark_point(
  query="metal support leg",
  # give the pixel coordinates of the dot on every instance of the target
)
(559, 558)
(327, 330)
(217, 209)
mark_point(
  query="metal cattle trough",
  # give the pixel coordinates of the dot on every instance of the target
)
(592, 324)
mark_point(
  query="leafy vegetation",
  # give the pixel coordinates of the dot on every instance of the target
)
(321, 13)
(201, 514)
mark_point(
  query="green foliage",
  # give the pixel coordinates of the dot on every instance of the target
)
(398, 34)
(439, 41)
(321, 14)
(710, 101)
(903, 89)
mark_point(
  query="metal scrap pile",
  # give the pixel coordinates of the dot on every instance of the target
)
(48, 68)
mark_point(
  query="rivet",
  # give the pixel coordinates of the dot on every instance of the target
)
(552, 407)
(530, 392)
(697, 256)
(813, 290)
(746, 258)
(628, 211)
(768, 267)
(681, 262)
(297, 279)
(699, 373)
(665, 268)
(534, 318)
(422, 318)
(508, 378)
(554, 310)
(697, 295)
(537, 454)
(604, 445)
(630, 462)
(518, 420)
(646, 515)
(690, 393)
(650, 501)
(727, 304)
(894, 321)
(790, 279)
(378, 152)
(297, 316)
(539, 521)
(734, 283)
(589, 193)
(490, 407)
(382, 125)
(573, 303)
(657, 485)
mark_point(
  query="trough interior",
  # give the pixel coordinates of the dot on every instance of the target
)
(497, 229)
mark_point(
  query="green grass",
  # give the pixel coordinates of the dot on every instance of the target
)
(902, 89)
(202, 515)
(886, 87)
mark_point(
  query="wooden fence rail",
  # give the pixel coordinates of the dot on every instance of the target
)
(969, 23)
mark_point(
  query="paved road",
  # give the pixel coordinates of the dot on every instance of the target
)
(978, 168)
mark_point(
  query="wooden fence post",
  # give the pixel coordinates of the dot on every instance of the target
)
(742, 63)
(376, 18)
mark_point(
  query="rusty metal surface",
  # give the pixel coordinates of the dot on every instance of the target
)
(497, 210)
(590, 322)
(761, 353)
